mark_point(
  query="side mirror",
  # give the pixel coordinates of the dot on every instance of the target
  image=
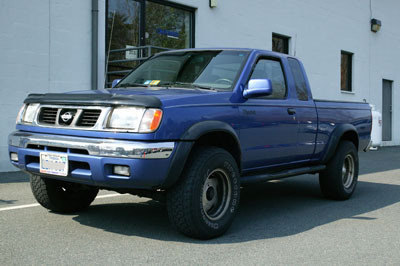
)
(257, 88)
(115, 82)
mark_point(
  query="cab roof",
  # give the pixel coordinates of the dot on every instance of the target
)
(251, 50)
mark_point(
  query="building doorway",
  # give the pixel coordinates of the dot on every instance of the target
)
(136, 29)
(387, 110)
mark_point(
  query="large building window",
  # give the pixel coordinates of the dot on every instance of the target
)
(167, 26)
(136, 29)
(123, 24)
(280, 43)
(346, 64)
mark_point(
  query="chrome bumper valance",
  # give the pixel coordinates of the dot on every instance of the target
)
(96, 147)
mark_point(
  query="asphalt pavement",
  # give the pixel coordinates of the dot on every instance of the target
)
(285, 222)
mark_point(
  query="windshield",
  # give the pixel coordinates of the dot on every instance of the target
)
(215, 69)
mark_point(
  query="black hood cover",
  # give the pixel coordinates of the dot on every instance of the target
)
(94, 99)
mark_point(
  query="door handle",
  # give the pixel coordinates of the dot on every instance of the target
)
(291, 111)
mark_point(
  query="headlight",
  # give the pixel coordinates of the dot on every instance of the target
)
(135, 119)
(27, 113)
(30, 113)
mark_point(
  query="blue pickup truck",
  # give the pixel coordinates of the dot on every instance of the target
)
(190, 127)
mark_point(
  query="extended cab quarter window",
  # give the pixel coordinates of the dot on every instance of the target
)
(299, 81)
(271, 69)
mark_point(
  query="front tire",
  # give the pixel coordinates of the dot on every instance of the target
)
(204, 202)
(60, 196)
(339, 180)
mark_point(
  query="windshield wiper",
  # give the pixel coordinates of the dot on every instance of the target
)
(190, 85)
(169, 84)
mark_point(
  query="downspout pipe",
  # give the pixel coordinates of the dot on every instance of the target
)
(95, 43)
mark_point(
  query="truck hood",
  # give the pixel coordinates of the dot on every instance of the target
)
(147, 97)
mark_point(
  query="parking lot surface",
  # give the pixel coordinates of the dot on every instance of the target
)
(285, 222)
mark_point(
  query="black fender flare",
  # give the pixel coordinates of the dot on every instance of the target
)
(202, 128)
(335, 138)
(186, 143)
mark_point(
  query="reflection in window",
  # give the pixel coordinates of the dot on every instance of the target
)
(280, 43)
(167, 26)
(270, 69)
(123, 31)
(123, 20)
(139, 23)
(345, 71)
(214, 68)
(299, 81)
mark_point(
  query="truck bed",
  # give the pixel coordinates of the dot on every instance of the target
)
(332, 114)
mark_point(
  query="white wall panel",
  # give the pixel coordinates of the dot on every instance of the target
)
(45, 46)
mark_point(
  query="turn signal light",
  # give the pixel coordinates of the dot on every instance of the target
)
(156, 120)
(151, 120)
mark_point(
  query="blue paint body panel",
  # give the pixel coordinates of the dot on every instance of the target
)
(98, 172)
(269, 136)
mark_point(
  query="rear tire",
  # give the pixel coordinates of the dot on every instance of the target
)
(204, 202)
(61, 196)
(339, 180)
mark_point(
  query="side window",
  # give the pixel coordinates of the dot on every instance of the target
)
(271, 69)
(299, 81)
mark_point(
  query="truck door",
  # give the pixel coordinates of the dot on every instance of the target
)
(269, 128)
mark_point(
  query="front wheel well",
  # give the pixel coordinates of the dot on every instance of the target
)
(222, 140)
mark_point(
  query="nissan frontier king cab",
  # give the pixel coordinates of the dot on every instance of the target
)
(190, 127)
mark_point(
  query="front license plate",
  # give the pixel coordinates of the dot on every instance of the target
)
(54, 163)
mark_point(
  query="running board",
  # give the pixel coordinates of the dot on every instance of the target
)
(251, 179)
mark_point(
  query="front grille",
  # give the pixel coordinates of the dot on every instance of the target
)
(48, 115)
(57, 149)
(65, 116)
(88, 118)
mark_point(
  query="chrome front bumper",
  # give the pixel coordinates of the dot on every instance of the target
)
(96, 147)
